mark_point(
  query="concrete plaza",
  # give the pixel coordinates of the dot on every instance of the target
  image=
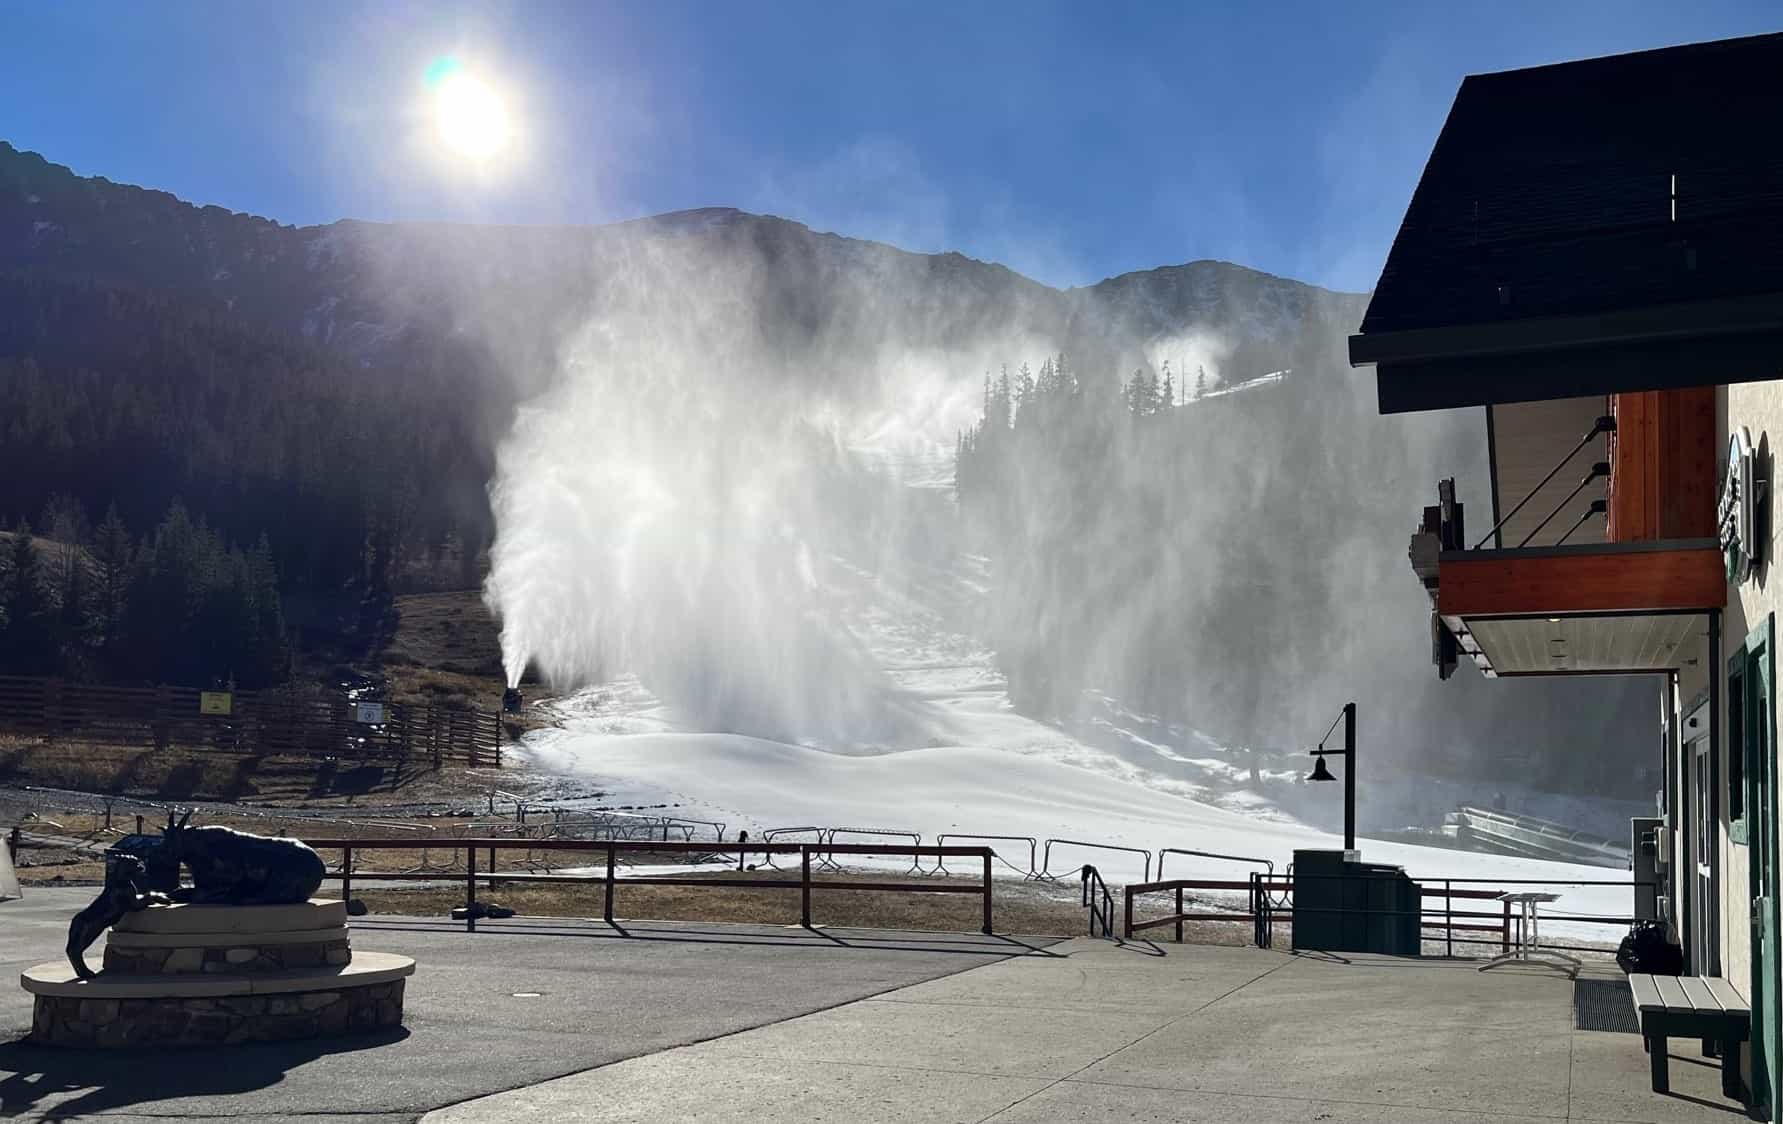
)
(567, 1020)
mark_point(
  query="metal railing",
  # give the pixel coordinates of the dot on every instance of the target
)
(1269, 901)
(1099, 902)
(345, 872)
(828, 863)
(1265, 863)
(1031, 873)
(1599, 470)
(1046, 855)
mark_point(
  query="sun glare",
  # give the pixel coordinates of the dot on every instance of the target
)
(471, 117)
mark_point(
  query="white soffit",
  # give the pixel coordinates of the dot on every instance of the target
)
(1634, 642)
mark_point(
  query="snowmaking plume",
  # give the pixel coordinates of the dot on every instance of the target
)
(669, 508)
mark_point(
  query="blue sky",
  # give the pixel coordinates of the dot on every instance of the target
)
(1068, 141)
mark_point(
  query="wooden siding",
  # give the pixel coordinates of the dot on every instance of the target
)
(1613, 581)
(1662, 465)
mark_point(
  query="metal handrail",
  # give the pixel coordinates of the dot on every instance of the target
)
(1098, 901)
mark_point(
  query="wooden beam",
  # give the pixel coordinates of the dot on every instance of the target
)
(1615, 581)
(1688, 467)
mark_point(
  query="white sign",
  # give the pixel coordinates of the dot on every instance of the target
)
(369, 714)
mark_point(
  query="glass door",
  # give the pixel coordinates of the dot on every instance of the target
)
(1704, 900)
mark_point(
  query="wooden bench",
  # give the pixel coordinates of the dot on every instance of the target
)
(1705, 1007)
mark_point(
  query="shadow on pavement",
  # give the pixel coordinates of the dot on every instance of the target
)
(962, 944)
(108, 1080)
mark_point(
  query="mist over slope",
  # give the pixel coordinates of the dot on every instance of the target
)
(691, 425)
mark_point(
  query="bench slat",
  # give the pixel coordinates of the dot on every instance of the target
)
(1728, 997)
(1646, 995)
(1697, 994)
(1672, 994)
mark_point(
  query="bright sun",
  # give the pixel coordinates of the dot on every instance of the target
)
(471, 117)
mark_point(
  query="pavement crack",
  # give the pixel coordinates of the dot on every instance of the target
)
(1572, 1044)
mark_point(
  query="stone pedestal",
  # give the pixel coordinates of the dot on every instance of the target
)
(205, 974)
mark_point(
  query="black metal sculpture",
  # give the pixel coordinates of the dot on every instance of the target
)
(123, 894)
(228, 868)
(232, 867)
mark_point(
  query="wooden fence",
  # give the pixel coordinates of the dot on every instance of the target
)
(247, 722)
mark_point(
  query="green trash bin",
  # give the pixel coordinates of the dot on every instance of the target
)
(1342, 904)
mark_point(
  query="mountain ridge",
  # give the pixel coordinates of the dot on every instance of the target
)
(52, 218)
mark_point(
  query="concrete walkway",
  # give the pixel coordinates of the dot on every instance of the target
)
(517, 1003)
(1196, 1034)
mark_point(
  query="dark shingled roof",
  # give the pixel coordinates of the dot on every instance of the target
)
(1549, 192)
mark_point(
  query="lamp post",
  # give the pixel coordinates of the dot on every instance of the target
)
(1321, 773)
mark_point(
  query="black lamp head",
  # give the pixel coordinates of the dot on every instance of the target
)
(1319, 771)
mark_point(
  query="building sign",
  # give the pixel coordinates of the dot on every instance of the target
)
(1740, 511)
(369, 713)
(216, 702)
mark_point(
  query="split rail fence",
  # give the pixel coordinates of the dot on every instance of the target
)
(260, 723)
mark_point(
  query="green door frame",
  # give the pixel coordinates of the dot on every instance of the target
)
(1760, 753)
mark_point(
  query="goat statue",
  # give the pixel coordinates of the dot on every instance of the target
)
(228, 868)
(123, 893)
(236, 868)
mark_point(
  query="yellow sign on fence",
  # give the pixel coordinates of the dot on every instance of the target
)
(216, 702)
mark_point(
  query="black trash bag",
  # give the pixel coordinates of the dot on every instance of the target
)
(1646, 950)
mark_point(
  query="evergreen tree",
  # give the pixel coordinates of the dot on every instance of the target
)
(65, 520)
(1200, 380)
(166, 594)
(111, 558)
(27, 642)
(75, 621)
(1143, 396)
(270, 660)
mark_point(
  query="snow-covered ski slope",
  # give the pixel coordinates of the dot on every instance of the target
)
(967, 763)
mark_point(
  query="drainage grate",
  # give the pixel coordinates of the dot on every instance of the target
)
(1604, 1005)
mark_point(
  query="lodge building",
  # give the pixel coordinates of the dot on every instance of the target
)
(1594, 256)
